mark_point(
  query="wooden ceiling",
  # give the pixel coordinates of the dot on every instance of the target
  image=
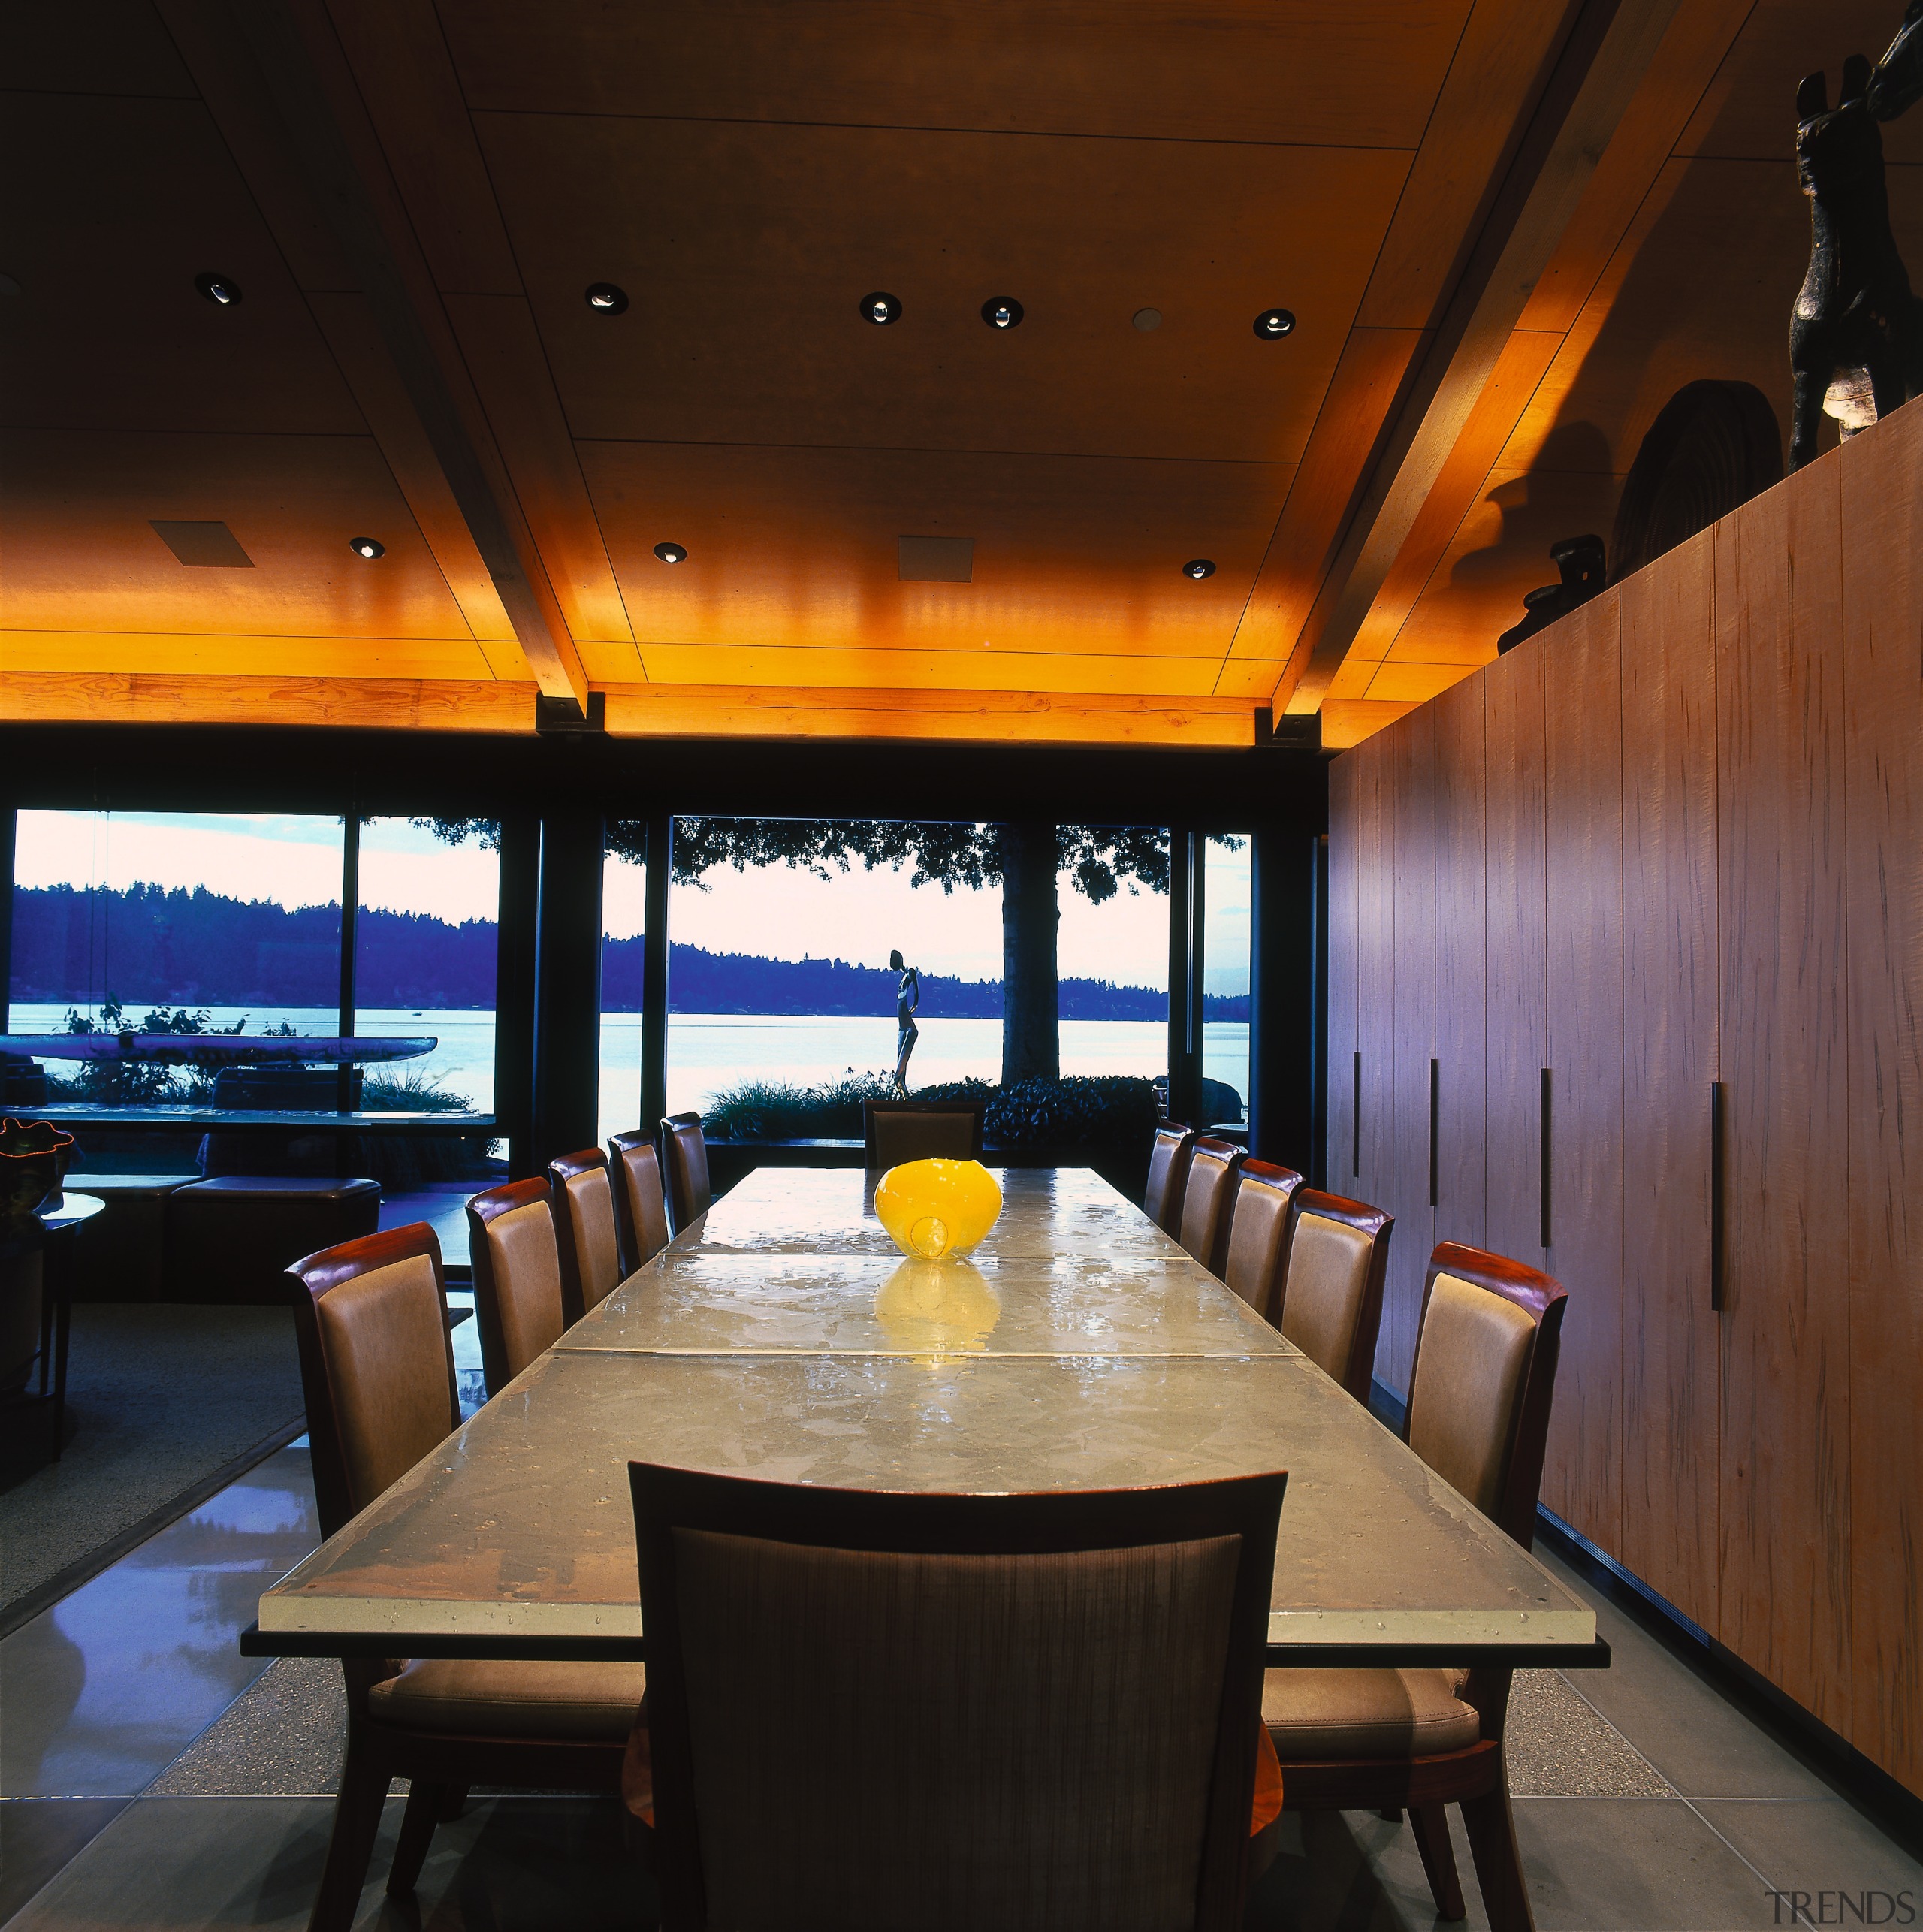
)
(1509, 231)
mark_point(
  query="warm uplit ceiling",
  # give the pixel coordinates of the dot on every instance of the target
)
(413, 199)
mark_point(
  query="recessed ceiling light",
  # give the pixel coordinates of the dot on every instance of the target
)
(368, 547)
(221, 289)
(1274, 324)
(605, 299)
(880, 308)
(1199, 567)
(1001, 312)
(1147, 319)
(671, 553)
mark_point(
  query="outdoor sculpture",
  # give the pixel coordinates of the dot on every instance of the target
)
(907, 997)
(1580, 560)
(1855, 323)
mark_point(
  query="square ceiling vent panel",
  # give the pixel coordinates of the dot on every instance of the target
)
(202, 546)
(935, 559)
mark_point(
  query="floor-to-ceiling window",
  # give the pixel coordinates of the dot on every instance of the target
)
(623, 977)
(1225, 942)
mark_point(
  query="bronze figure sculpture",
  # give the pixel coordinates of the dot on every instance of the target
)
(907, 997)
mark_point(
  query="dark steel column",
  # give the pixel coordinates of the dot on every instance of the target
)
(1282, 977)
(350, 950)
(1186, 877)
(514, 990)
(654, 975)
(9, 822)
(567, 985)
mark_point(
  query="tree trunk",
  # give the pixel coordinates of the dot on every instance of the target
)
(1031, 1033)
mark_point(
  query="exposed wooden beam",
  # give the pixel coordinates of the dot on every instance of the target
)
(1595, 74)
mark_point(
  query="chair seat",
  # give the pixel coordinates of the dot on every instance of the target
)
(587, 1704)
(1315, 1716)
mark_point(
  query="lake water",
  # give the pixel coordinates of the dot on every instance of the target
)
(709, 1053)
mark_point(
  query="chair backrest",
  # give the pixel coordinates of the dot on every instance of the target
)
(1483, 1378)
(585, 1236)
(1019, 1709)
(1168, 1176)
(686, 1147)
(1208, 1200)
(1331, 1292)
(899, 1130)
(1258, 1249)
(376, 1363)
(517, 1263)
(641, 1206)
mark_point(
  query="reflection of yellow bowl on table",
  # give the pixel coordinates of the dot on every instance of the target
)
(934, 1208)
(937, 1308)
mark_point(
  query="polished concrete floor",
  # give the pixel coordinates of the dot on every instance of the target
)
(150, 1777)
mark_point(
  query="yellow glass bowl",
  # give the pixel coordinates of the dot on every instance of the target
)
(934, 1208)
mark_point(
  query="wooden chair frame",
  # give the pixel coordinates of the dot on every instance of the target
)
(440, 1765)
(1475, 1778)
(681, 1210)
(1358, 1376)
(1182, 1142)
(871, 1108)
(482, 1208)
(620, 1145)
(561, 1169)
(668, 1499)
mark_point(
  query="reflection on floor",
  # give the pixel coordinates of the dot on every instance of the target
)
(150, 1776)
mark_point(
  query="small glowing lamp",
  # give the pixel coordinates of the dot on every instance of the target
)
(934, 1208)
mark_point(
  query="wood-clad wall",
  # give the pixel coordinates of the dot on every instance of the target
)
(1676, 840)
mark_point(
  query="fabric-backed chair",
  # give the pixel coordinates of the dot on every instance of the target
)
(377, 1366)
(517, 1302)
(1208, 1200)
(1376, 1739)
(585, 1232)
(1168, 1176)
(895, 1131)
(1258, 1249)
(1332, 1291)
(1019, 1709)
(685, 1147)
(641, 1204)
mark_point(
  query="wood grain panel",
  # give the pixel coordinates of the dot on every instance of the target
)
(190, 654)
(1462, 1035)
(1583, 794)
(1410, 748)
(1345, 830)
(1882, 610)
(1516, 931)
(1671, 1339)
(1786, 1530)
(397, 705)
(110, 47)
(904, 667)
(1376, 815)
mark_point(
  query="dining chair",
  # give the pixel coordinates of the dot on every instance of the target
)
(1376, 1739)
(377, 1367)
(516, 1264)
(1331, 1305)
(1258, 1249)
(1208, 1200)
(686, 1148)
(1168, 1176)
(894, 1131)
(1015, 1708)
(641, 1206)
(588, 1241)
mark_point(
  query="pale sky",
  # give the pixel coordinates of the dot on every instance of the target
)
(780, 912)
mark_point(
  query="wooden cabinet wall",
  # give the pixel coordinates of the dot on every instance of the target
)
(1672, 847)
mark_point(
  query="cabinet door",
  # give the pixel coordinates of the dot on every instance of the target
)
(1583, 1472)
(1339, 1156)
(1411, 752)
(1882, 611)
(1671, 1379)
(1515, 924)
(1785, 1488)
(1461, 1028)
(1376, 927)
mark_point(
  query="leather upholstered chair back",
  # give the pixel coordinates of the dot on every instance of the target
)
(1208, 1200)
(586, 1234)
(686, 1147)
(641, 1203)
(1483, 1378)
(1019, 1709)
(517, 1304)
(1331, 1293)
(376, 1364)
(1258, 1246)
(1168, 1176)
(896, 1131)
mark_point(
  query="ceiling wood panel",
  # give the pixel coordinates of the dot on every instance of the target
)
(133, 698)
(225, 654)
(745, 250)
(850, 667)
(105, 47)
(1363, 74)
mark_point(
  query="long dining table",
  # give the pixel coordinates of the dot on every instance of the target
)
(782, 1336)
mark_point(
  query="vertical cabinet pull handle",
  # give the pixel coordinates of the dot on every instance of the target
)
(1547, 1145)
(1435, 1132)
(1355, 1120)
(1718, 1246)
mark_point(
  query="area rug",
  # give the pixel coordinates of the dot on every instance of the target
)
(164, 1404)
